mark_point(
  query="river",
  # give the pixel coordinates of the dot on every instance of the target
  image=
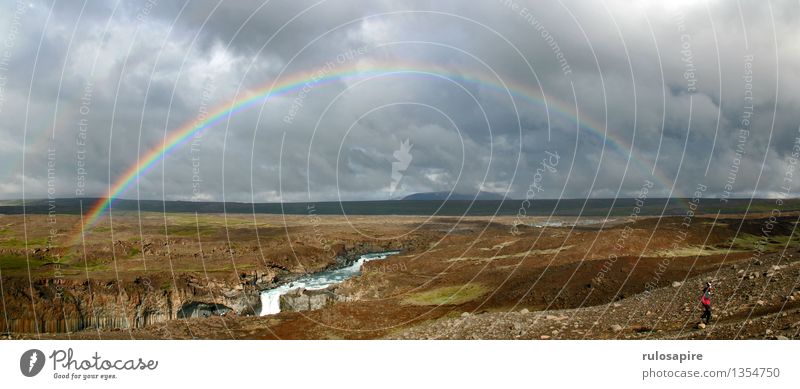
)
(271, 298)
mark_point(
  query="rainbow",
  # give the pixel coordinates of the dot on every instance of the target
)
(355, 71)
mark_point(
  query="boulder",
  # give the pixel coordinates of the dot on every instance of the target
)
(306, 300)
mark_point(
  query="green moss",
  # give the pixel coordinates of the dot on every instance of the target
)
(224, 268)
(695, 251)
(18, 262)
(93, 266)
(204, 230)
(448, 295)
(529, 253)
(750, 242)
(16, 243)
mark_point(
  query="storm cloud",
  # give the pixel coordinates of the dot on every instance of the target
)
(676, 93)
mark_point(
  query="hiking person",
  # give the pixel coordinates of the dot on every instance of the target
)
(705, 299)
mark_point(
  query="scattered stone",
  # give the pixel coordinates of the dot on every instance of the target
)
(551, 317)
(616, 328)
(760, 302)
(616, 305)
(768, 331)
(554, 332)
(701, 326)
(524, 311)
(676, 284)
(465, 314)
(781, 337)
(544, 337)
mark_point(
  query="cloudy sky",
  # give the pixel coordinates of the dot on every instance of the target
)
(678, 93)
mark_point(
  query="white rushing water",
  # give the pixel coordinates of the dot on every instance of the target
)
(271, 298)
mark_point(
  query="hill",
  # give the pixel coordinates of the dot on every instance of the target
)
(443, 196)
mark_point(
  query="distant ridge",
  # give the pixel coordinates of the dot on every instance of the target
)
(442, 196)
(543, 207)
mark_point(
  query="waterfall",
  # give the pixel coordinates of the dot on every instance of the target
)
(271, 298)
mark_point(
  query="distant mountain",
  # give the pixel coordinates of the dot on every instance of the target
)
(540, 207)
(440, 196)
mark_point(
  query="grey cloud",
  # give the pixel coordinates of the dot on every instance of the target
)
(628, 75)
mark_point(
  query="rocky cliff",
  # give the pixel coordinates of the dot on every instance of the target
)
(68, 305)
(46, 290)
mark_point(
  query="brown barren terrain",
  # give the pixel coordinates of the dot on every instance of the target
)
(157, 276)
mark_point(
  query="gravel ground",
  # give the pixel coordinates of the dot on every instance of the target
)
(752, 299)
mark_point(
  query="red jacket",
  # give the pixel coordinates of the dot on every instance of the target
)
(705, 298)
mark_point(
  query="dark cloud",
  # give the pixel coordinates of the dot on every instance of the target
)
(672, 79)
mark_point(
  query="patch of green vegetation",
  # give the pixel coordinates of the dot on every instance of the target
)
(212, 220)
(72, 266)
(17, 262)
(92, 266)
(529, 253)
(744, 241)
(167, 285)
(186, 268)
(203, 230)
(190, 219)
(16, 243)
(447, 295)
(750, 242)
(695, 251)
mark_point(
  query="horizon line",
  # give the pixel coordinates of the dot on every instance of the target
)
(387, 200)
